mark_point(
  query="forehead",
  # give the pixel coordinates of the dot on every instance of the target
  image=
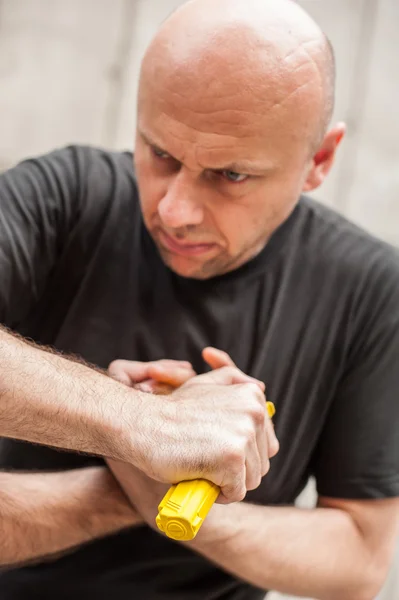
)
(219, 134)
(223, 114)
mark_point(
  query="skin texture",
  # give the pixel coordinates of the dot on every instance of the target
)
(45, 515)
(232, 113)
(296, 559)
(164, 377)
(47, 399)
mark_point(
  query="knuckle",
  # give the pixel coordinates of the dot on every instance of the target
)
(249, 434)
(266, 468)
(231, 370)
(260, 395)
(227, 371)
(241, 493)
(256, 392)
(274, 447)
(236, 491)
(235, 456)
(254, 482)
(258, 414)
(115, 365)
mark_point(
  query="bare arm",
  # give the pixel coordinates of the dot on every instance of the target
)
(45, 514)
(48, 399)
(212, 427)
(340, 552)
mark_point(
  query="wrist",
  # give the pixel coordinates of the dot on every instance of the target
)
(129, 426)
(220, 526)
(114, 509)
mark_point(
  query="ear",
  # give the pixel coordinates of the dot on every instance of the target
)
(323, 160)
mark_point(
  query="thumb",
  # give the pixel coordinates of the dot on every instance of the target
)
(217, 359)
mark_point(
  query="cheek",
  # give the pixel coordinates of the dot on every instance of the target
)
(237, 225)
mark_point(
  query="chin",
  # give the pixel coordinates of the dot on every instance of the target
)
(186, 267)
(186, 270)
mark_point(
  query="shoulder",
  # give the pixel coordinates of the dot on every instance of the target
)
(93, 182)
(107, 178)
(84, 170)
(358, 270)
(337, 244)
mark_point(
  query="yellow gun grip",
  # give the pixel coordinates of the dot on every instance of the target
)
(185, 506)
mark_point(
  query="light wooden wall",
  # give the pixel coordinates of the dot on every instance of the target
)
(68, 74)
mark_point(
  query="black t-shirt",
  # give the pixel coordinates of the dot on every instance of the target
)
(315, 315)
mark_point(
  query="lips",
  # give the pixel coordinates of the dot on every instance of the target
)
(184, 249)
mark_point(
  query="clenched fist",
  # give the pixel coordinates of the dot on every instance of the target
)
(214, 426)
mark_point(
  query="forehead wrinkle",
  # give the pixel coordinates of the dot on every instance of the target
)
(205, 147)
(231, 109)
(228, 121)
(241, 132)
(224, 102)
(300, 91)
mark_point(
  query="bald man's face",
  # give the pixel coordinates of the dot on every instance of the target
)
(231, 103)
(216, 173)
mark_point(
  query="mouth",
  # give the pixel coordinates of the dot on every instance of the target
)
(184, 249)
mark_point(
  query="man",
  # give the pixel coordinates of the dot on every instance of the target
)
(216, 247)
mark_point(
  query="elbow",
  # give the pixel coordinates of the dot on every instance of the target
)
(373, 582)
(367, 588)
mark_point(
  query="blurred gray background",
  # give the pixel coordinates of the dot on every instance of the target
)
(68, 74)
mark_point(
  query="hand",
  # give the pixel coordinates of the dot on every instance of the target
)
(163, 376)
(156, 377)
(145, 493)
(166, 375)
(214, 427)
(251, 441)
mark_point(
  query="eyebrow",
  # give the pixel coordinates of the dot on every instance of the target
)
(243, 167)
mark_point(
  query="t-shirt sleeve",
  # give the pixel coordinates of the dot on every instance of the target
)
(38, 205)
(358, 451)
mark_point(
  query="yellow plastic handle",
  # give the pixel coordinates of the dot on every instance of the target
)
(186, 505)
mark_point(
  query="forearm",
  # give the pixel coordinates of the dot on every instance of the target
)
(48, 399)
(315, 553)
(42, 514)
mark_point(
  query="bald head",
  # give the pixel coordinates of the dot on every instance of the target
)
(235, 98)
(267, 57)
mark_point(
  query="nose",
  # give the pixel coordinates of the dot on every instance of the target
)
(181, 206)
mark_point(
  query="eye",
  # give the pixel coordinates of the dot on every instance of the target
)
(234, 177)
(160, 153)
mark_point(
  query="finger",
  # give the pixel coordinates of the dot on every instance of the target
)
(253, 467)
(225, 376)
(165, 362)
(262, 440)
(174, 376)
(216, 358)
(272, 442)
(257, 457)
(233, 491)
(149, 386)
(128, 371)
(171, 363)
